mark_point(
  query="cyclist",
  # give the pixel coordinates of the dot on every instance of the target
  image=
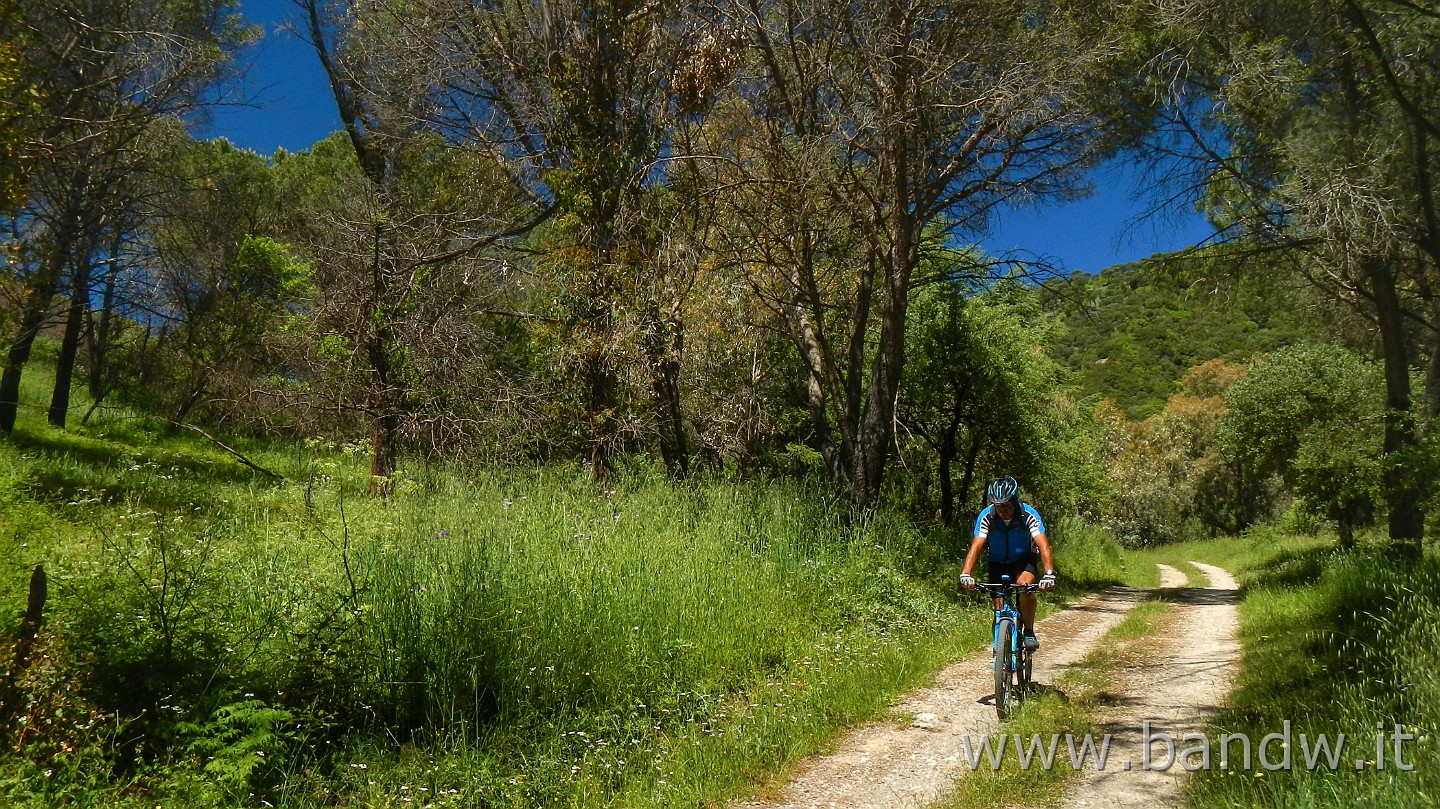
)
(1015, 535)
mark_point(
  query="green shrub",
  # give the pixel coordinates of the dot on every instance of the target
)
(1086, 555)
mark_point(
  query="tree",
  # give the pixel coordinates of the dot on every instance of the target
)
(1314, 415)
(396, 239)
(1312, 127)
(219, 287)
(576, 99)
(976, 387)
(18, 106)
(1167, 478)
(106, 71)
(879, 125)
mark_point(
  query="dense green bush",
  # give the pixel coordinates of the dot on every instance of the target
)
(1313, 415)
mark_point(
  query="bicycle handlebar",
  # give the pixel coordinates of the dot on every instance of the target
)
(997, 589)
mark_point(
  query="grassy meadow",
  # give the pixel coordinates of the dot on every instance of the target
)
(489, 637)
(526, 637)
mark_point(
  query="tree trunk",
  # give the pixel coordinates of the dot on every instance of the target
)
(70, 343)
(101, 331)
(384, 437)
(946, 453)
(1346, 532)
(949, 447)
(18, 355)
(188, 405)
(665, 344)
(673, 448)
(853, 394)
(877, 427)
(819, 382)
(34, 308)
(385, 430)
(749, 430)
(972, 456)
(601, 385)
(10, 698)
(1402, 467)
(95, 402)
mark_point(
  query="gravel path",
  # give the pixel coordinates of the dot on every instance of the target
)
(1175, 684)
(912, 758)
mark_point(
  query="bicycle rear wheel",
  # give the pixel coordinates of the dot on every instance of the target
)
(1004, 655)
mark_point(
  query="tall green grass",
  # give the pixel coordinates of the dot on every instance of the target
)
(1087, 556)
(544, 639)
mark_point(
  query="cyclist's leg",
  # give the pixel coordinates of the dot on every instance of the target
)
(1028, 601)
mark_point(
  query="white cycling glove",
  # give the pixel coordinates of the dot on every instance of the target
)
(1047, 582)
(967, 581)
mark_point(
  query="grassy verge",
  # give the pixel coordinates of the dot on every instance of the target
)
(486, 638)
(541, 641)
(1334, 643)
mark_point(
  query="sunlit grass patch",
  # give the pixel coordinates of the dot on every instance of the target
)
(560, 641)
(1259, 547)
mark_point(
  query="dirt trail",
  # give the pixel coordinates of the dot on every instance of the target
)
(913, 759)
(1175, 683)
(1170, 578)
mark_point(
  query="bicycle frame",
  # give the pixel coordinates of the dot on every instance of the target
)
(1012, 661)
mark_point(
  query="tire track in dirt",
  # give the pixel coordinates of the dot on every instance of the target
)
(914, 757)
(1176, 682)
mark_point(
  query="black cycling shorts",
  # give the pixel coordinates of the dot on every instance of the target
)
(1013, 570)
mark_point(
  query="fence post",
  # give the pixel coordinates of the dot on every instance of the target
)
(29, 628)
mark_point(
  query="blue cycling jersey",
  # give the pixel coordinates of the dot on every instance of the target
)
(1010, 542)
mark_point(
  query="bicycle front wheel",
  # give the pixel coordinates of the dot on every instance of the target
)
(1004, 657)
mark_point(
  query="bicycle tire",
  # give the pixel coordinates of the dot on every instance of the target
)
(1004, 654)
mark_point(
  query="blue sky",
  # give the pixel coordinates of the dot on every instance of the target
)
(289, 101)
(1107, 228)
(291, 107)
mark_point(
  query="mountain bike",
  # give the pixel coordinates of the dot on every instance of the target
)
(1012, 661)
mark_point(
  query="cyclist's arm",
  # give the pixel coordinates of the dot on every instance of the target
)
(1043, 543)
(974, 555)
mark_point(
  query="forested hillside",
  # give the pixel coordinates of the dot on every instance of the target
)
(1131, 332)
